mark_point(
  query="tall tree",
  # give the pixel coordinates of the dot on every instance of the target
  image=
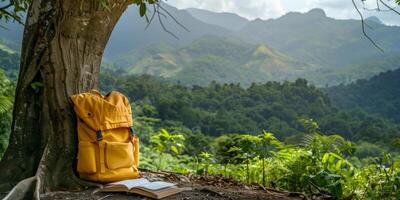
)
(62, 48)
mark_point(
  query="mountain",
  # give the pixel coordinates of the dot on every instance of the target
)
(224, 59)
(314, 38)
(374, 19)
(334, 51)
(131, 33)
(229, 21)
(137, 54)
(379, 95)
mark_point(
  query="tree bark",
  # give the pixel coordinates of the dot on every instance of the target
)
(62, 49)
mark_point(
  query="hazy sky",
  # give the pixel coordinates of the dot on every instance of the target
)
(265, 9)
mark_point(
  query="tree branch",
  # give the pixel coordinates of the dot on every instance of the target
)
(169, 14)
(152, 17)
(162, 24)
(363, 27)
(6, 6)
(12, 14)
(389, 7)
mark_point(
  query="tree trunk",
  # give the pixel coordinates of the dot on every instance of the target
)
(61, 54)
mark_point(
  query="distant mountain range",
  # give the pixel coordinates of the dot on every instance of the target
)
(229, 21)
(330, 51)
(226, 59)
(130, 33)
(226, 47)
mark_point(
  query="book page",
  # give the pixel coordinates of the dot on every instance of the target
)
(157, 185)
(131, 183)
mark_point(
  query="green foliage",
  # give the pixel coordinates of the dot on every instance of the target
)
(36, 86)
(368, 150)
(206, 159)
(377, 95)
(321, 166)
(328, 181)
(178, 163)
(6, 103)
(6, 94)
(163, 142)
(140, 3)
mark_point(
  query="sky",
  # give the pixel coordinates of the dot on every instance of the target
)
(266, 9)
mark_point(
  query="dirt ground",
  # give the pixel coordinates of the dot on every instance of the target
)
(195, 187)
(198, 193)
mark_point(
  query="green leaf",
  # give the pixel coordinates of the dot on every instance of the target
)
(325, 158)
(174, 149)
(36, 86)
(142, 9)
(5, 104)
(338, 165)
(104, 4)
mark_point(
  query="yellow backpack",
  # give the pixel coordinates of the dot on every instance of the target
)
(108, 148)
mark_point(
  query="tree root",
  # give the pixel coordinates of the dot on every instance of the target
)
(30, 188)
(23, 189)
(41, 185)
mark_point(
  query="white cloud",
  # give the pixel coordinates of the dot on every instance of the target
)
(246, 8)
(265, 9)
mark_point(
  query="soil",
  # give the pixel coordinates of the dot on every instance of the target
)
(195, 187)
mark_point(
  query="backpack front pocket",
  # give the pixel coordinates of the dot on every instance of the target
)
(86, 158)
(119, 155)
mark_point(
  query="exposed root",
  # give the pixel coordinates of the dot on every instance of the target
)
(52, 194)
(105, 197)
(47, 179)
(23, 189)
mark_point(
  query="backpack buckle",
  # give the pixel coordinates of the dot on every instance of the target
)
(99, 135)
(132, 130)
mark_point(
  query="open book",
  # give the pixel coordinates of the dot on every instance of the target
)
(142, 186)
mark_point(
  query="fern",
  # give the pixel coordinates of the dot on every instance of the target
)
(5, 104)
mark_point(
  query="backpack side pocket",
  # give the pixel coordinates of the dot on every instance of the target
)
(119, 155)
(86, 158)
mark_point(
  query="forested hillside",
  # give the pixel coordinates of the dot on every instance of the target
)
(224, 59)
(218, 109)
(331, 43)
(379, 95)
(286, 135)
